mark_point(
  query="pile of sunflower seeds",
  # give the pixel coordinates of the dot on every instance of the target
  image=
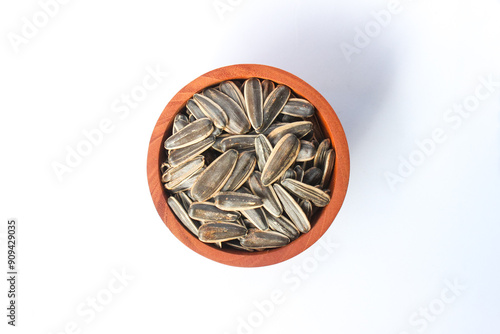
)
(247, 165)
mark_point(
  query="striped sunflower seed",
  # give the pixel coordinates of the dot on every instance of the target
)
(267, 88)
(271, 202)
(242, 171)
(212, 110)
(220, 231)
(176, 175)
(214, 176)
(180, 121)
(237, 120)
(307, 151)
(282, 157)
(299, 129)
(328, 169)
(176, 157)
(190, 134)
(252, 90)
(263, 150)
(263, 239)
(319, 158)
(230, 89)
(306, 192)
(298, 108)
(182, 215)
(238, 142)
(205, 211)
(283, 225)
(194, 108)
(237, 201)
(273, 106)
(293, 209)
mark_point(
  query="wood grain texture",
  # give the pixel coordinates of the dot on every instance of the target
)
(330, 125)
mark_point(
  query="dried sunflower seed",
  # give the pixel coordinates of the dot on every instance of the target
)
(282, 156)
(271, 202)
(307, 192)
(215, 176)
(212, 110)
(237, 120)
(252, 89)
(190, 134)
(237, 201)
(298, 108)
(273, 105)
(242, 171)
(264, 239)
(182, 215)
(178, 156)
(293, 209)
(205, 211)
(299, 129)
(220, 231)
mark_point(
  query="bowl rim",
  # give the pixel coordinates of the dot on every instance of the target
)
(330, 123)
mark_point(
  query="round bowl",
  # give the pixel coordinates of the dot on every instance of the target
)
(330, 125)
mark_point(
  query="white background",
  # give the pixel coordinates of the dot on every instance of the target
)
(396, 248)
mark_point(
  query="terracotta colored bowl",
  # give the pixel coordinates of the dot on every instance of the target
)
(330, 125)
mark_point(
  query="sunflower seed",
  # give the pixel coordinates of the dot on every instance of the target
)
(204, 211)
(242, 171)
(185, 200)
(283, 225)
(299, 129)
(263, 150)
(328, 170)
(267, 88)
(220, 231)
(313, 176)
(292, 209)
(190, 134)
(307, 192)
(180, 121)
(264, 239)
(256, 217)
(176, 175)
(237, 120)
(307, 207)
(187, 183)
(238, 142)
(178, 156)
(299, 172)
(282, 156)
(194, 108)
(307, 151)
(237, 201)
(229, 88)
(253, 101)
(212, 110)
(215, 176)
(298, 108)
(319, 158)
(271, 202)
(273, 105)
(182, 215)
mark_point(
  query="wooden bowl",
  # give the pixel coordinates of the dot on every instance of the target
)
(330, 125)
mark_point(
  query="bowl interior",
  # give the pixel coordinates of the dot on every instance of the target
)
(325, 121)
